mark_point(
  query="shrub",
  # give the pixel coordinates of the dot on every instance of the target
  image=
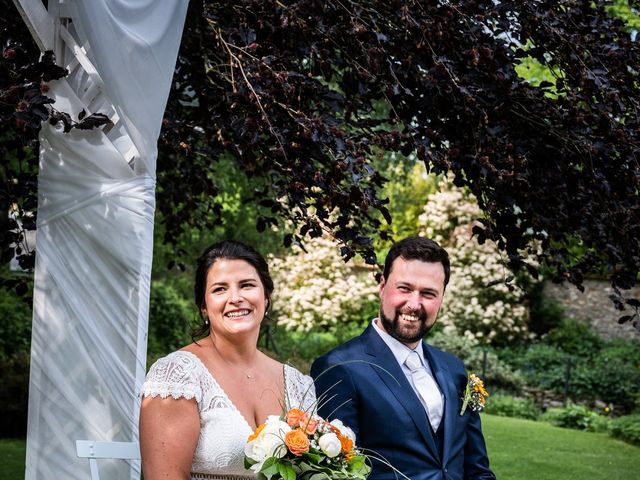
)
(508, 406)
(542, 366)
(625, 350)
(626, 428)
(169, 315)
(577, 417)
(575, 338)
(15, 327)
(300, 349)
(315, 288)
(613, 380)
(497, 374)
(14, 395)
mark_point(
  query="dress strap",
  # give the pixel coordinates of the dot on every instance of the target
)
(287, 400)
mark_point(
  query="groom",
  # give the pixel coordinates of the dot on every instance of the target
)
(401, 396)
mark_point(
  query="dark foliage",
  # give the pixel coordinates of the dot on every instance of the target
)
(14, 395)
(304, 93)
(22, 109)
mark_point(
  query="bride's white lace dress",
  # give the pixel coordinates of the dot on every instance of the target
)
(223, 430)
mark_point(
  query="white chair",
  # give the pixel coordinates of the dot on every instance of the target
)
(94, 450)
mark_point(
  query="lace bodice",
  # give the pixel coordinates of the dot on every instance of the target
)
(223, 429)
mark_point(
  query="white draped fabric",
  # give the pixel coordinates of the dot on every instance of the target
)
(95, 239)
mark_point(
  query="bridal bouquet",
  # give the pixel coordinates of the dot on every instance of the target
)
(299, 445)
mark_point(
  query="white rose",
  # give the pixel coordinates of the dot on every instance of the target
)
(336, 422)
(268, 443)
(330, 444)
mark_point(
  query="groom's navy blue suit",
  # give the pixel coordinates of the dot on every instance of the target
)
(387, 417)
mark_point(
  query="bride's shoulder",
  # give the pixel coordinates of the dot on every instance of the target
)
(181, 365)
(179, 359)
(299, 387)
(178, 374)
(292, 372)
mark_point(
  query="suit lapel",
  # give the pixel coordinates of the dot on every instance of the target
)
(448, 389)
(396, 381)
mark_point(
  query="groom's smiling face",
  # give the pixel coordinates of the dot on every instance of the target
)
(410, 299)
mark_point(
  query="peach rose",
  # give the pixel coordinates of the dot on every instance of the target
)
(295, 417)
(309, 425)
(297, 442)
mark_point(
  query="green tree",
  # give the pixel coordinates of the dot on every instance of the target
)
(292, 91)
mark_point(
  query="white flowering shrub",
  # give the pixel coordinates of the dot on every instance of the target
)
(474, 306)
(318, 289)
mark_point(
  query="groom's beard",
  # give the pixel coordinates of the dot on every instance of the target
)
(403, 333)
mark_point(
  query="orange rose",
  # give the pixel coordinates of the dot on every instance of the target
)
(255, 434)
(295, 417)
(347, 446)
(309, 425)
(297, 442)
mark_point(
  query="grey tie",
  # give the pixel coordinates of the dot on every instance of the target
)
(427, 389)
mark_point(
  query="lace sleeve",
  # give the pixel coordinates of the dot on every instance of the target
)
(301, 392)
(177, 375)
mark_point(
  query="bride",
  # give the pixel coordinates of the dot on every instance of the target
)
(201, 403)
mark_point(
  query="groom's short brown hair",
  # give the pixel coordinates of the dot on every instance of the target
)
(418, 248)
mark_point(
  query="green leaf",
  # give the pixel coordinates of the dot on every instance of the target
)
(313, 457)
(270, 467)
(356, 463)
(306, 467)
(319, 476)
(286, 471)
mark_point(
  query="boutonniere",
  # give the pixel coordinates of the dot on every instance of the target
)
(475, 395)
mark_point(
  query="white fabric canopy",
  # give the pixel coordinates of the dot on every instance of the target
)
(95, 238)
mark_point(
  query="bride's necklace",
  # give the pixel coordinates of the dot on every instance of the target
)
(248, 375)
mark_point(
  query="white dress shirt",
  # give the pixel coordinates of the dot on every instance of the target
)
(400, 351)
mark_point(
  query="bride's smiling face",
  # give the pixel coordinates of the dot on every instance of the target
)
(235, 300)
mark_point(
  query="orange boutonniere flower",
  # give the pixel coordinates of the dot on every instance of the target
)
(474, 395)
(297, 441)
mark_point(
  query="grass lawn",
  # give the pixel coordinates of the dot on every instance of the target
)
(526, 450)
(518, 449)
(12, 459)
